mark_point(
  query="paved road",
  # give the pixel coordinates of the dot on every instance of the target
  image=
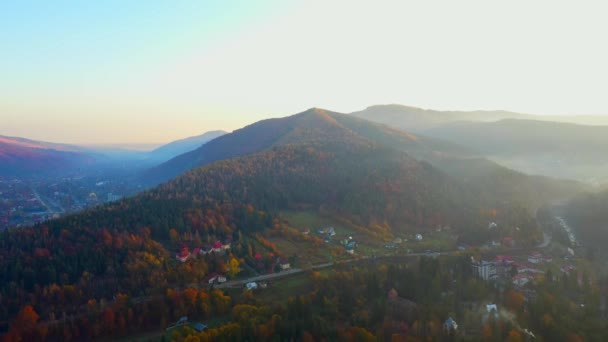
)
(241, 282)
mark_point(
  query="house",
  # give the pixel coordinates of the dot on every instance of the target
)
(397, 240)
(508, 241)
(199, 327)
(284, 264)
(535, 258)
(351, 244)
(450, 324)
(491, 307)
(418, 237)
(196, 251)
(227, 244)
(306, 231)
(330, 231)
(350, 249)
(215, 278)
(567, 269)
(492, 225)
(521, 279)
(507, 259)
(206, 249)
(251, 286)
(183, 255)
(217, 247)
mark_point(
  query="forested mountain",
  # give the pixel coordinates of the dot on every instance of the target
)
(589, 215)
(457, 161)
(175, 148)
(24, 157)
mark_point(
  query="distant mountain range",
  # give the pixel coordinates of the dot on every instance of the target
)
(418, 120)
(175, 148)
(557, 146)
(24, 157)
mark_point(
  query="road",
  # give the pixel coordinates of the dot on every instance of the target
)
(241, 282)
(546, 240)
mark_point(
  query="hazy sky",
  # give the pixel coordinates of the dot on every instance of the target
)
(154, 71)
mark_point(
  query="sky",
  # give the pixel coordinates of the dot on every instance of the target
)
(103, 72)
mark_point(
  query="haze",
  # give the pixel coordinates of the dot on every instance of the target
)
(118, 72)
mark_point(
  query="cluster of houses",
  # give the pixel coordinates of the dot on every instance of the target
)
(329, 232)
(503, 267)
(217, 247)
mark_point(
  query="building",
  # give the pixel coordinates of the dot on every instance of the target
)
(199, 327)
(535, 258)
(521, 279)
(227, 244)
(251, 286)
(508, 241)
(183, 255)
(284, 264)
(486, 270)
(418, 237)
(215, 278)
(329, 231)
(450, 324)
(217, 247)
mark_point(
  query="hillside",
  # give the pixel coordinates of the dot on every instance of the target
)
(23, 157)
(175, 148)
(313, 124)
(588, 214)
(540, 147)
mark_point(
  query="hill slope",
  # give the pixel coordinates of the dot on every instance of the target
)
(24, 157)
(550, 148)
(175, 148)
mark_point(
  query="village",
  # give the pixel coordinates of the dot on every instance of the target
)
(502, 263)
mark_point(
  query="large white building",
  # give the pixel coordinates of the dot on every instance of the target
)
(486, 270)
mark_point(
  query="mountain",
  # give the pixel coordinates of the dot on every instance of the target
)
(539, 147)
(312, 124)
(419, 120)
(175, 148)
(24, 157)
